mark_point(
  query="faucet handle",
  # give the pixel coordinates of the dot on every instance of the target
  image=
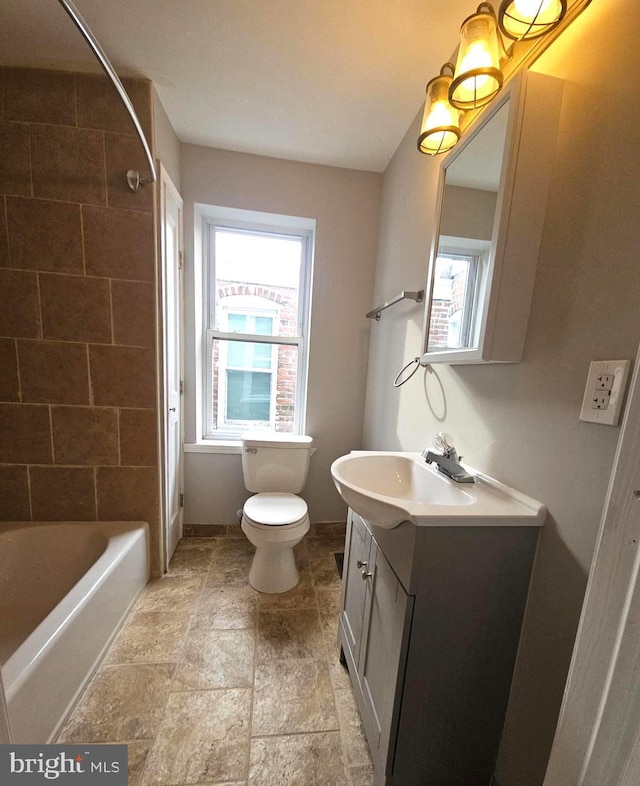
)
(444, 443)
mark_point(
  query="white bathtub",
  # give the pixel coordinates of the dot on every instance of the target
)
(65, 589)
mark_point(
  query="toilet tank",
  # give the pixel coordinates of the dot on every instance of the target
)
(275, 462)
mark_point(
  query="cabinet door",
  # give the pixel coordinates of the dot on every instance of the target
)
(383, 655)
(354, 588)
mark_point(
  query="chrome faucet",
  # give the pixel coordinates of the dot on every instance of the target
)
(448, 461)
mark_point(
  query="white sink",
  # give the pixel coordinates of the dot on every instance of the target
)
(387, 488)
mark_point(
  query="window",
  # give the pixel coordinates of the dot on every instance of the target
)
(454, 301)
(256, 327)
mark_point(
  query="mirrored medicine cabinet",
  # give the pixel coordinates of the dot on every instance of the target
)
(492, 201)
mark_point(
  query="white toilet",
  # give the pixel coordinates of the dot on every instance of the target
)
(275, 519)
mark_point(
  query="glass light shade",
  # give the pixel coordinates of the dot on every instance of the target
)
(477, 76)
(526, 19)
(440, 128)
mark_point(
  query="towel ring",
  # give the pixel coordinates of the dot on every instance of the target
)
(396, 383)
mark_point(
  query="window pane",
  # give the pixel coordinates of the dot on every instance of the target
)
(264, 326)
(256, 273)
(243, 354)
(248, 395)
(237, 323)
(257, 389)
(452, 302)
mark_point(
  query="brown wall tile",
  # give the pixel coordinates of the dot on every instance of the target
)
(14, 494)
(75, 308)
(53, 373)
(68, 164)
(4, 241)
(85, 435)
(118, 243)
(44, 235)
(100, 106)
(19, 309)
(127, 493)
(122, 377)
(138, 438)
(14, 159)
(2, 78)
(124, 153)
(9, 385)
(134, 313)
(25, 434)
(40, 96)
(62, 494)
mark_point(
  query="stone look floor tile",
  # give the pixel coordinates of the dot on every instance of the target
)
(190, 561)
(229, 573)
(353, 739)
(170, 594)
(293, 696)
(289, 634)
(190, 735)
(319, 547)
(297, 760)
(137, 753)
(230, 563)
(226, 608)
(150, 637)
(121, 703)
(325, 571)
(203, 737)
(300, 597)
(361, 776)
(216, 659)
(225, 549)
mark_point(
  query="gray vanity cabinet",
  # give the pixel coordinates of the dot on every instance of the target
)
(376, 618)
(429, 630)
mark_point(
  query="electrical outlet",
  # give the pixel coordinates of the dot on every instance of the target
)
(604, 381)
(600, 400)
(604, 392)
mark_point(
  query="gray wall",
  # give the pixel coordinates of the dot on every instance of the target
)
(166, 143)
(468, 212)
(520, 422)
(345, 205)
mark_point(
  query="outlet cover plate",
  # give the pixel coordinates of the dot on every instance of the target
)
(604, 392)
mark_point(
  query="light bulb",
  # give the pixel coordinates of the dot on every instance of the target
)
(522, 19)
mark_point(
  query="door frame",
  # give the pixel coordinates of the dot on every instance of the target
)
(166, 185)
(597, 739)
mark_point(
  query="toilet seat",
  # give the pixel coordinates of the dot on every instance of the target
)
(271, 509)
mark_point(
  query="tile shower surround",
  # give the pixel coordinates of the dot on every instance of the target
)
(78, 436)
(211, 682)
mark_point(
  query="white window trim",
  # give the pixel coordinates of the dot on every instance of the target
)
(204, 216)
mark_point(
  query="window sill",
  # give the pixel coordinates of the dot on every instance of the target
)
(209, 446)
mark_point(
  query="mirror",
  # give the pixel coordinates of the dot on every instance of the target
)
(469, 204)
(484, 256)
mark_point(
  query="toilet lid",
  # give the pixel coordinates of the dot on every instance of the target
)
(275, 509)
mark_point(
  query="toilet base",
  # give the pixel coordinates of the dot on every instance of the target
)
(273, 570)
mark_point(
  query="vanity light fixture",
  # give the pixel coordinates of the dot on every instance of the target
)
(484, 63)
(522, 20)
(440, 128)
(477, 76)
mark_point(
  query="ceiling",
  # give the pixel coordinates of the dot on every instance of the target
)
(335, 82)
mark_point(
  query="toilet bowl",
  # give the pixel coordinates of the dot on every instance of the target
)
(274, 523)
(275, 519)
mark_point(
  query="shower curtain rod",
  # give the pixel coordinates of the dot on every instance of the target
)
(133, 176)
